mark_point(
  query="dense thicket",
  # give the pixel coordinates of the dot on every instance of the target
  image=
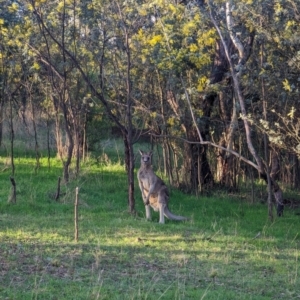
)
(215, 83)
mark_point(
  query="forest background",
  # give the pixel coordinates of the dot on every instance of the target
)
(214, 84)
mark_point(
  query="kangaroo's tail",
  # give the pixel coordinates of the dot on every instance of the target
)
(171, 216)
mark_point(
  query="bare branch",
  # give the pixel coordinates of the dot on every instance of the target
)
(208, 143)
(239, 46)
(239, 97)
(191, 110)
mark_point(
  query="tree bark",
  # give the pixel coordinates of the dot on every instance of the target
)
(12, 137)
(200, 172)
(236, 84)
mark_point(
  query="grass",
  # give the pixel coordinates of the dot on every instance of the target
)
(228, 250)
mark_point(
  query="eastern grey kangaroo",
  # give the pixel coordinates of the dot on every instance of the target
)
(154, 191)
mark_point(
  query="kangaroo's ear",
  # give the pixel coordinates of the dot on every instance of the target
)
(141, 152)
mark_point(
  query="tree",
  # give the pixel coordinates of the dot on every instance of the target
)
(235, 71)
(175, 45)
(102, 56)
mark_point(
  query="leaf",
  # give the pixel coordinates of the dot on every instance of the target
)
(36, 66)
(193, 48)
(189, 28)
(292, 112)
(156, 39)
(202, 82)
(172, 8)
(286, 85)
(13, 8)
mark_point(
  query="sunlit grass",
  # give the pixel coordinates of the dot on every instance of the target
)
(227, 250)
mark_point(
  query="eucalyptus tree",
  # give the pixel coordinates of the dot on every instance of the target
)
(236, 39)
(230, 16)
(277, 81)
(54, 24)
(176, 45)
(93, 38)
(13, 71)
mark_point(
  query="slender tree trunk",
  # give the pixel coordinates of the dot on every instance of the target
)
(70, 145)
(36, 144)
(48, 142)
(225, 160)
(84, 141)
(266, 144)
(236, 83)
(1, 118)
(129, 163)
(12, 137)
(78, 152)
(296, 172)
(129, 132)
(65, 98)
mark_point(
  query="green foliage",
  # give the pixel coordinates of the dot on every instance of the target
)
(176, 37)
(52, 50)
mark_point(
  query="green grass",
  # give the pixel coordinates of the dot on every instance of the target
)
(215, 255)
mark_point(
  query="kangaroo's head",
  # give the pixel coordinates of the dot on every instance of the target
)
(146, 158)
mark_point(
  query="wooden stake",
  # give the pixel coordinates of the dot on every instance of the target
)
(76, 214)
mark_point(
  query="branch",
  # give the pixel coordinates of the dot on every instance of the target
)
(191, 110)
(238, 45)
(239, 95)
(83, 74)
(236, 154)
(46, 61)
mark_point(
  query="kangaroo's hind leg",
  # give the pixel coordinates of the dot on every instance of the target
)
(161, 213)
(161, 205)
(148, 212)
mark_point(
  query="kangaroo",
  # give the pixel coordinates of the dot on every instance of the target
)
(154, 191)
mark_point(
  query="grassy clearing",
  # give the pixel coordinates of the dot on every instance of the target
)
(228, 250)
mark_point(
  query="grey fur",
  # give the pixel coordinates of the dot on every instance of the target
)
(154, 191)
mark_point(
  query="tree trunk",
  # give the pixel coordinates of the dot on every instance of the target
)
(12, 138)
(1, 118)
(226, 161)
(36, 146)
(48, 142)
(296, 172)
(129, 164)
(70, 145)
(201, 177)
(237, 88)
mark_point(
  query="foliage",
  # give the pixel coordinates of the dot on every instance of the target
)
(60, 59)
(277, 43)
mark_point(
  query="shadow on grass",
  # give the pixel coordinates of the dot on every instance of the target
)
(228, 250)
